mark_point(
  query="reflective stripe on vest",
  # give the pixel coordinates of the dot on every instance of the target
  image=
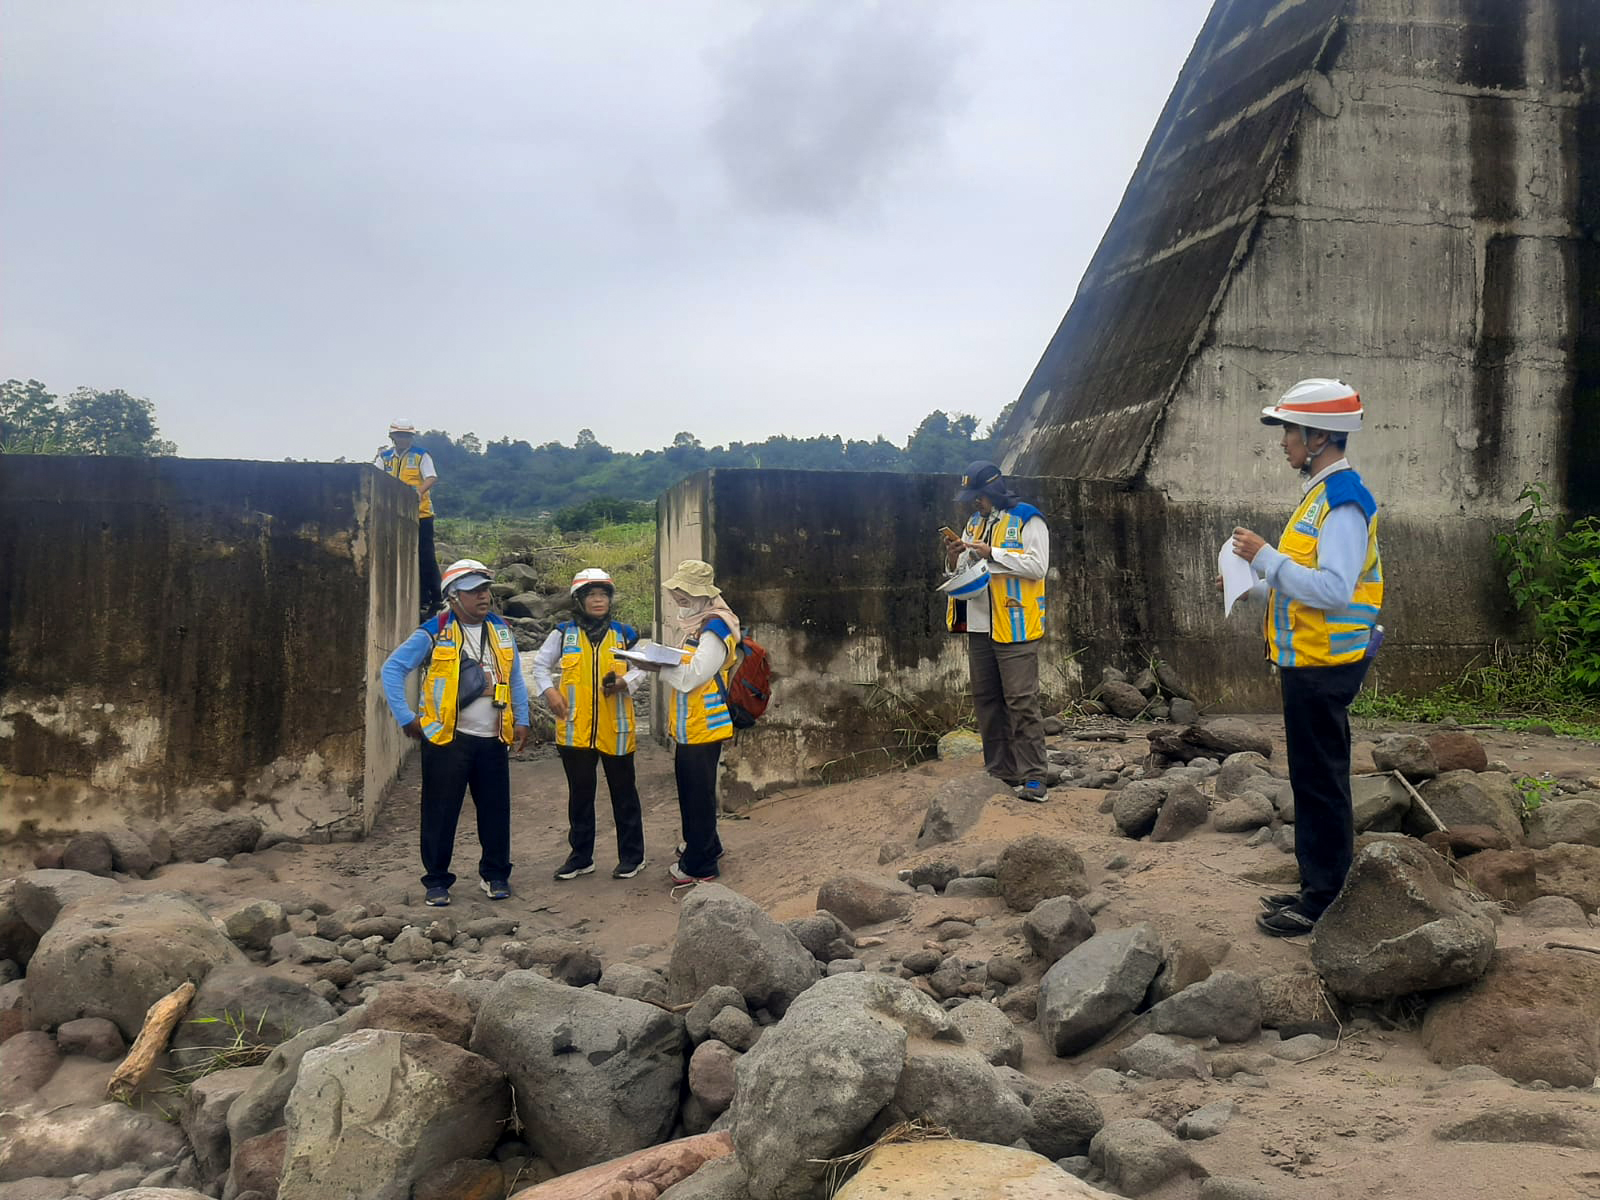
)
(702, 715)
(407, 468)
(443, 676)
(1016, 605)
(1299, 635)
(594, 721)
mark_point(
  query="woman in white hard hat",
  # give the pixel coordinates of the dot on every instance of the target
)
(474, 706)
(697, 713)
(590, 692)
(1324, 587)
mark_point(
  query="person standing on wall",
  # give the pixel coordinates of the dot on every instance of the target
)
(590, 691)
(697, 713)
(474, 708)
(1004, 625)
(410, 463)
(1324, 587)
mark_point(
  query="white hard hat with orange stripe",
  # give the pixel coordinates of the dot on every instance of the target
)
(592, 577)
(465, 575)
(1329, 404)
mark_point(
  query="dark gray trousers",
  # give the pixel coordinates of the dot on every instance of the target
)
(1005, 693)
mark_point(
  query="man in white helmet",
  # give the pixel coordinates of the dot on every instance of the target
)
(411, 464)
(1323, 585)
(474, 709)
(590, 692)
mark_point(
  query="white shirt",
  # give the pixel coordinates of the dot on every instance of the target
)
(480, 718)
(699, 670)
(1341, 553)
(547, 665)
(1031, 562)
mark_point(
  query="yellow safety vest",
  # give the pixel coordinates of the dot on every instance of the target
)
(442, 677)
(702, 715)
(1299, 635)
(407, 468)
(595, 721)
(1016, 605)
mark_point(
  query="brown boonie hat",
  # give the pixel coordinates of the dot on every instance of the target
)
(693, 577)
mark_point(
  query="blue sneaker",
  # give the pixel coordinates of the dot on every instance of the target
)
(1035, 790)
(438, 897)
(495, 889)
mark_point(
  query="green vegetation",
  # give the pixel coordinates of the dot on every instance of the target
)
(1552, 567)
(33, 420)
(626, 552)
(243, 1048)
(1535, 791)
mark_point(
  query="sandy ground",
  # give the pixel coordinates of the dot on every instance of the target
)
(1356, 1123)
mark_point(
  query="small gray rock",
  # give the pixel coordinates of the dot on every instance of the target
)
(1206, 1122)
(1156, 1056)
(1065, 1120)
(1138, 1156)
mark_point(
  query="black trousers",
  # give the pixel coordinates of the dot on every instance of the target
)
(1316, 725)
(579, 765)
(428, 563)
(696, 770)
(1005, 696)
(448, 771)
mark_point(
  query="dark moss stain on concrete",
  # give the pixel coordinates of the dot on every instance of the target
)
(1579, 39)
(203, 591)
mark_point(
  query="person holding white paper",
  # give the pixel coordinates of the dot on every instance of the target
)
(590, 692)
(1323, 584)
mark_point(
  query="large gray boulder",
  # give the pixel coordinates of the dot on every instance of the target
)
(207, 835)
(377, 1110)
(1380, 803)
(725, 938)
(1138, 1156)
(247, 1006)
(1184, 810)
(858, 899)
(596, 1076)
(82, 1140)
(812, 1085)
(116, 956)
(1086, 993)
(988, 1031)
(1576, 821)
(1065, 1119)
(1136, 807)
(1395, 929)
(259, 1109)
(956, 806)
(1470, 798)
(1225, 1005)
(1406, 753)
(1219, 737)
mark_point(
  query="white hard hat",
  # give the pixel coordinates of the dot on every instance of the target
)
(402, 427)
(465, 575)
(592, 576)
(1327, 404)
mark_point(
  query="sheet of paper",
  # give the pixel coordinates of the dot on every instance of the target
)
(652, 652)
(1237, 576)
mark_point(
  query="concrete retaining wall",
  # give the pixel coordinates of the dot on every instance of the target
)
(179, 635)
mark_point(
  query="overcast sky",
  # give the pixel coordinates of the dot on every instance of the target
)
(288, 221)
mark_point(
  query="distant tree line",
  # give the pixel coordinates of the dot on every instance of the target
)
(34, 420)
(512, 478)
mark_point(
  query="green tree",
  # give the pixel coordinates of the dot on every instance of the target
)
(33, 420)
(30, 418)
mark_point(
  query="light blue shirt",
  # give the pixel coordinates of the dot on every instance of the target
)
(412, 653)
(1341, 553)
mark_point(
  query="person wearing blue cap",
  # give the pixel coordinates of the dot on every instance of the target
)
(1004, 621)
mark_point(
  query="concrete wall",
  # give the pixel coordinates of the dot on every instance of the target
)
(835, 573)
(177, 635)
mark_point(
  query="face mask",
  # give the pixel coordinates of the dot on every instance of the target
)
(685, 613)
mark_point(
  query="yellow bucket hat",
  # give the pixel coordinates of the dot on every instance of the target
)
(694, 578)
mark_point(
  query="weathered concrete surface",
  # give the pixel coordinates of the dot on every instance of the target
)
(178, 635)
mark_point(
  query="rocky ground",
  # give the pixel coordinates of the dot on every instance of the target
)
(1083, 977)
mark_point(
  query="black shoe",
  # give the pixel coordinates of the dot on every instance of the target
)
(574, 867)
(684, 846)
(1282, 900)
(627, 870)
(495, 889)
(1286, 922)
(438, 897)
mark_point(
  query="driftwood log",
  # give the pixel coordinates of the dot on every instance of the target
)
(159, 1022)
(643, 1175)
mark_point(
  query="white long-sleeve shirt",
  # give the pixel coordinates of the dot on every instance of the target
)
(708, 658)
(1031, 562)
(547, 665)
(1341, 553)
